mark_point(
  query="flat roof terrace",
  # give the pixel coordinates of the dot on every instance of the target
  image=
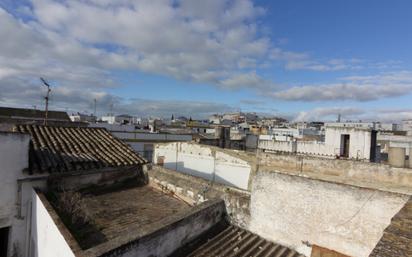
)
(116, 212)
(115, 215)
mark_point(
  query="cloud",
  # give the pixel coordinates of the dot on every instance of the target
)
(331, 113)
(390, 115)
(247, 80)
(357, 88)
(202, 42)
(304, 61)
(79, 44)
(353, 114)
(252, 102)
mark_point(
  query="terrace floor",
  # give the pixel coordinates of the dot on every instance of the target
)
(115, 212)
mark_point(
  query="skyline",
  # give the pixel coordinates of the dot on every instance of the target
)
(300, 60)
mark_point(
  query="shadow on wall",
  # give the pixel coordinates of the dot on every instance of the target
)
(213, 177)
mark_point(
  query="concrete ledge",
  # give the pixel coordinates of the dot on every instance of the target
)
(83, 179)
(355, 173)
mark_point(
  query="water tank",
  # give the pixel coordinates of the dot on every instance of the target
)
(396, 157)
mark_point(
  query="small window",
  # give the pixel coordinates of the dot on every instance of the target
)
(4, 241)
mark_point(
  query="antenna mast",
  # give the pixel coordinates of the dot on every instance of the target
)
(95, 103)
(46, 98)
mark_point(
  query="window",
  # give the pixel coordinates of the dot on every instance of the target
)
(4, 241)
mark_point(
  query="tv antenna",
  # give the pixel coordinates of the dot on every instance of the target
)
(46, 98)
(95, 104)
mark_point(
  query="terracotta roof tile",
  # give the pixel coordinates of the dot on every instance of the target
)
(62, 149)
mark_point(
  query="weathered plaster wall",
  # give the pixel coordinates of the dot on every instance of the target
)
(205, 162)
(14, 149)
(13, 159)
(45, 238)
(298, 212)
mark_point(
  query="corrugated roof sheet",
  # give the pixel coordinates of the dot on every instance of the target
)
(237, 242)
(62, 149)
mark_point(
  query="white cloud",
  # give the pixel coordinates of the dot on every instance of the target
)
(357, 88)
(328, 113)
(353, 114)
(304, 61)
(77, 44)
(247, 80)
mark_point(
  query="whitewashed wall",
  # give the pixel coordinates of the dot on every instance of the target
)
(46, 239)
(298, 212)
(359, 144)
(316, 148)
(14, 149)
(205, 162)
(279, 146)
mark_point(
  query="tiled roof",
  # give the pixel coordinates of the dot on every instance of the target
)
(62, 149)
(397, 237)
(32, 114)
(237, 242)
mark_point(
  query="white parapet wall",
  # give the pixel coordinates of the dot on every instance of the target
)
(359, 144)
(46, 239)
(300, 212)
(277, 146)
(316, 148)
(206, 162)
(301, 147)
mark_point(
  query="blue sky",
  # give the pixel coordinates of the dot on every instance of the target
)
(305, 60)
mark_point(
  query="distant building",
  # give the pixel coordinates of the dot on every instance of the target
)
(80, 117)
(407, 126)
(141, 140)
(215, 119)
(372, 125)
(340, 142)
(120, 119)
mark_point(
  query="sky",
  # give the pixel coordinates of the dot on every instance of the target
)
(303, 60)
